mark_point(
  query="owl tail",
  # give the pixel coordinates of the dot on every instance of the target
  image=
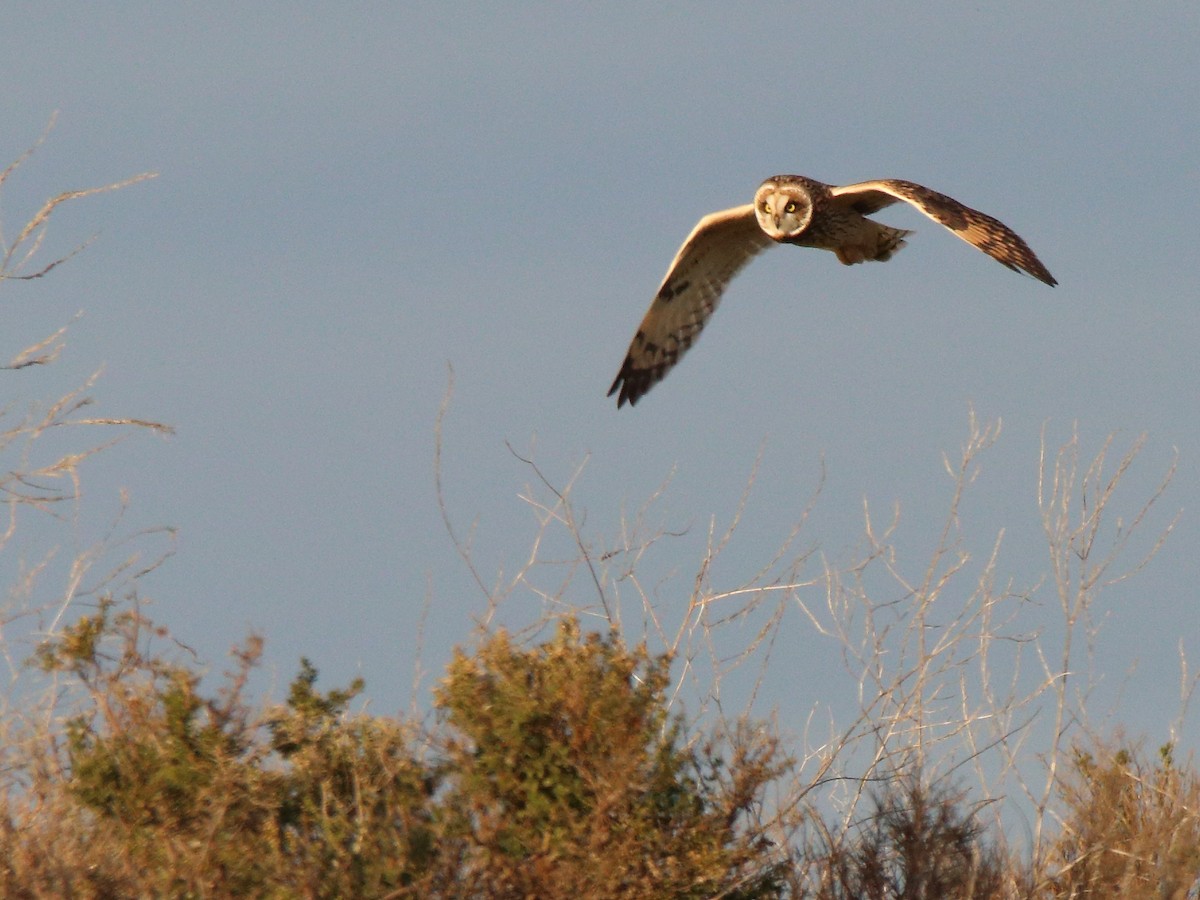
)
(873, 242)
(888, 241)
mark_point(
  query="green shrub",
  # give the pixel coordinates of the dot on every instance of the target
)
(567, 777)
(555, 771)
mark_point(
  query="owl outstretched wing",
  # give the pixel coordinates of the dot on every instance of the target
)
(717, 249)
(980, 230)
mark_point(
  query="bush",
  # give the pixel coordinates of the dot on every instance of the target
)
(566, 778)
(555, 770)
(1131, 828)
(919, 842)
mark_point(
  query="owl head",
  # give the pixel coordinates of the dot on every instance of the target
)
(783, 207)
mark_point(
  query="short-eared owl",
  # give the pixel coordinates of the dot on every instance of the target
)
(791, 209)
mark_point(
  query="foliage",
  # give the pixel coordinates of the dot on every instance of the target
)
(568, 778)
(1132, 826)
(556, 771)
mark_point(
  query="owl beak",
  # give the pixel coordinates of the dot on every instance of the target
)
(778, 220)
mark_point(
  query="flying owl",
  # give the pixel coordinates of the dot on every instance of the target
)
(792, 209)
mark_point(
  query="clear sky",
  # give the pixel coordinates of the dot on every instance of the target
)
(350, 200)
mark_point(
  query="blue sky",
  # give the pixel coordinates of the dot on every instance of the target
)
(351, 201)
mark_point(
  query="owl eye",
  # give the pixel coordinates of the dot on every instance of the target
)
(766, 207)
(791, 207)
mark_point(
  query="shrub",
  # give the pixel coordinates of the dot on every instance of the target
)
(919, 842)
(1131, 827)
(567, 778)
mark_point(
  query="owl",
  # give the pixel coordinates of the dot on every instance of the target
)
(792, 209)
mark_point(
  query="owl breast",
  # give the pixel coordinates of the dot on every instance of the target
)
(828, 228)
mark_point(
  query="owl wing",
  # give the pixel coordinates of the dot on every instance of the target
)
(990, 235)
(717, 249)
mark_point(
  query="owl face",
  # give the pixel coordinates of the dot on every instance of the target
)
(783, 210)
